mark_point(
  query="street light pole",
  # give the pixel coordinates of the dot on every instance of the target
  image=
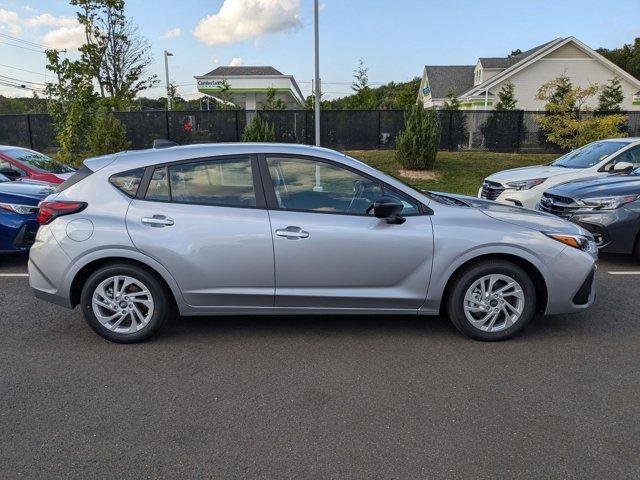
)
(166, 72)
(317, 76)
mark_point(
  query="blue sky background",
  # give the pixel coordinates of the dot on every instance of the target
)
(395, 39)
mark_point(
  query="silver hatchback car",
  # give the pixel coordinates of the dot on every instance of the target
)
(252, 229)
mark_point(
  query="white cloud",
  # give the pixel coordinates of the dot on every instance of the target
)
(173, 33)
(51, 20)
(69, 38)
(9, 21)
(236, 62)
(28, 8)
(239, 20)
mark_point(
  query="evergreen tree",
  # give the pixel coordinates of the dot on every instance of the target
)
(259, 130)
(611, 97)
(417, 144)
(506, 97)
(363, 96)
(458, 126)
(451, 101)
(504, 128)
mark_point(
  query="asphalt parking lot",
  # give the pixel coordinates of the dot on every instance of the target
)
(321, 398)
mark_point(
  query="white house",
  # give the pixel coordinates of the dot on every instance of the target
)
(477, 85)
(248, 86)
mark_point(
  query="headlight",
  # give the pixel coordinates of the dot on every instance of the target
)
(607, 203)
(576, 241)
(526, 184)
(19, 209)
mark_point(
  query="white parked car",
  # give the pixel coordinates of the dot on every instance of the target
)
(524, 186)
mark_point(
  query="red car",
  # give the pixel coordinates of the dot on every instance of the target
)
(22, 163)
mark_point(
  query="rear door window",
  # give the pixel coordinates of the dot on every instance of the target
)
(223, 182)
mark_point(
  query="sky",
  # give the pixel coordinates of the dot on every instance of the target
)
(395, 39)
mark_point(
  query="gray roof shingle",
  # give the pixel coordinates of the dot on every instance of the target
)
(443, 77)
(506, 62)
(244, 70)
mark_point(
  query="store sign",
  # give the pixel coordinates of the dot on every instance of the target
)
(210, 83)
(426, 90)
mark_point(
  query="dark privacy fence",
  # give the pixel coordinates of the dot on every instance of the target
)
(510, 131)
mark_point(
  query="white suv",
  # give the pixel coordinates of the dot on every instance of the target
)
(524, 186)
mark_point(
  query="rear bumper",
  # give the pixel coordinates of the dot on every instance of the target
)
(47, 266)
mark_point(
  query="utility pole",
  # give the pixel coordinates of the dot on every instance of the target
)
(166, 72)
(317, 76)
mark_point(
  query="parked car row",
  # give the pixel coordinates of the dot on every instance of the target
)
(289, 229)
(596, 186)
(26, 177)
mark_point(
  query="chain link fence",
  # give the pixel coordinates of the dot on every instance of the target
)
(472, 130)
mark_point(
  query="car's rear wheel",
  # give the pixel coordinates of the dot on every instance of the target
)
(124, 303)
(491, 300)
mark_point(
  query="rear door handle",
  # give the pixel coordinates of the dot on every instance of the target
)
(292, 233)
(157, 221)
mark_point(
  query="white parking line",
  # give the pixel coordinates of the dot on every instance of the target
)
(14, 274)
(624, 273)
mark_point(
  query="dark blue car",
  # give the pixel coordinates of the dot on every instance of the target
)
(18, 212)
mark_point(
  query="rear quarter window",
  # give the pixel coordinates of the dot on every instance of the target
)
(128, 182)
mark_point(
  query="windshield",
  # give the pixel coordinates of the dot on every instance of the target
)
(589, 155)
(4, 178)
(38, 161)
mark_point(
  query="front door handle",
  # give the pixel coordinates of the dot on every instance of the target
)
(292, 233)
(157, 221)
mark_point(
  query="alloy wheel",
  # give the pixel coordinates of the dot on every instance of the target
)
(494, 302)
(122, 304)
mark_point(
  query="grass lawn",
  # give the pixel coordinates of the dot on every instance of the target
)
(456, 172)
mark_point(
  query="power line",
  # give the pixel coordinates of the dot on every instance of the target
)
(21, 40)
(22, 47)
(13, 79)
(23, 70)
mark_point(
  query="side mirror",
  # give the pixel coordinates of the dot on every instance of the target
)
(623, 166)
(387, 208)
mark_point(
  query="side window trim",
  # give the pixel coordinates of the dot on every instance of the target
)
(272, 200)
(257, 184)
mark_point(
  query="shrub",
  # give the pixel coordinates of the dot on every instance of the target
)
(107, 134)
(417, 144)
(259, 130)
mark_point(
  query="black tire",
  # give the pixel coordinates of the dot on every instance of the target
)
(465, 279)
(163, 307)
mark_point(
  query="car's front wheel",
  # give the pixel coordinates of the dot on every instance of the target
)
(124, 303)
(491, 300)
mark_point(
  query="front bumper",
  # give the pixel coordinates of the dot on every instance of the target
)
(571, 284)
(615, 231)
(521, 198)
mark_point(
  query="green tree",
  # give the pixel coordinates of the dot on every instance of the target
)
(611, 97)
(506, 97)
(504, 128)
(417, 144)
(363, 96)
(626, 57)
(72, 104)
(259, 130)
(273, 103)
(107, 134)
(563, 124)
(458, 121)
(114, 53)
(451, 101)
(224, 94)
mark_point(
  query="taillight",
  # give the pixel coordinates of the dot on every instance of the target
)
(49, 211)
